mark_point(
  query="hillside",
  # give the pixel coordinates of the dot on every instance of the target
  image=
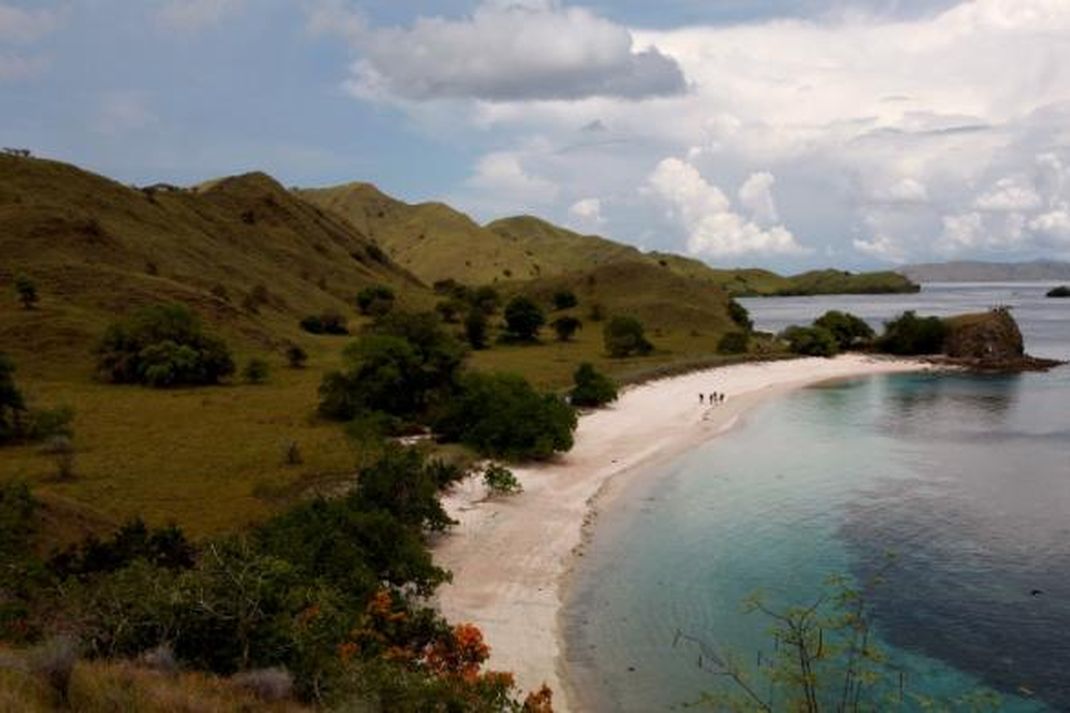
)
(432, 240)
(979, 271)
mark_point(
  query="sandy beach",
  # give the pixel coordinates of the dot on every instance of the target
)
(510, 556)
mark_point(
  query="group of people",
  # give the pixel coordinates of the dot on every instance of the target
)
(716, 397)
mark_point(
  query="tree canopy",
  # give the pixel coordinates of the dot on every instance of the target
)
(624, 336)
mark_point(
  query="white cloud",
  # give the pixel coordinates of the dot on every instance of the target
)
(1009, 194)
(25, 26)
(880, 247)
(962, 232)
(502, 178)
(193, 15)
(587, 212)
(905, 191)
(713, 228)
(756, 197)
(505, 51)
(1053, 227)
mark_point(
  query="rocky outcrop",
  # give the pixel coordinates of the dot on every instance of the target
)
(989, 341)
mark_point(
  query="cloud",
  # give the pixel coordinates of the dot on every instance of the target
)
(1009, 195)
(587, 212)
(121, 113)
(26, 26)
(756, 197)
(905, 191)
(14, 67)
(881, 247)
(502, 179)
(705, 212)
(194, 15)
(506, 51)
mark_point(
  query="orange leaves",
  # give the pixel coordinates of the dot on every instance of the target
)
(459, 653)
(540, 701)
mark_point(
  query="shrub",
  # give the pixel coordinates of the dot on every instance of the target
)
(740, 316)
(12, 404)
(850, 331)
(375, 300)
(27, 291)
(734, 343)
(565, 299)
(449, 310)
(592, 388)
(329, 322)
(910, 334)
(811, 341)
(623, 336)
(502, 416)
(566, 327)
(523, 319)
(256, 371)
(162, 345)
(500, 480)
(475, 329)
(486, 299)
(296, 356)
(402, 484)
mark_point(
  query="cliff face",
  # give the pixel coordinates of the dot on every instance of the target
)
(987, 337)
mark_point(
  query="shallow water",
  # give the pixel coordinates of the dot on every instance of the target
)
(966, 479)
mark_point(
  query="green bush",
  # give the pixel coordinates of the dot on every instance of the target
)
(734, 343)
(565, 299)
(402, 484)
(376, 300)
(740, 316)
(256, 371)
(910, 334)
(12, 403)
(475, 329)
(811, 341)
(566, 327)
(296, 356)
(502, 416)
(500, 480)
(26, 289)
(523, 319)
(624, 336)
(592, 388)
(850, 331)
(327, 323)
(162, 345)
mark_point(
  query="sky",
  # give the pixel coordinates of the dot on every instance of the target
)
(787, 134)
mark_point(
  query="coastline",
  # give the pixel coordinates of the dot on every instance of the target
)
(511, 557)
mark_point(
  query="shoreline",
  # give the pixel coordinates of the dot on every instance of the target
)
(511, 557)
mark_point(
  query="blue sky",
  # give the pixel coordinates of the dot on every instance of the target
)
(744, 132)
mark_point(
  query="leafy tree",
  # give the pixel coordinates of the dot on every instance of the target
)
(12, 404)
(375, 300)
(165, 547)
(523, 319)
(910, 334)
(475, 329)
(624, 336)
(500, 480)
(592, 388)
(329, 322)
(296, 356)
(162, 345)
(402, 484)
(256, 371)
(734, 343)
(850, 331)
(566, 327)
(26, 289)
(486, 299)
(740, 316)
(501, 415)
(449, 310)
(811, 341)
(565, 299)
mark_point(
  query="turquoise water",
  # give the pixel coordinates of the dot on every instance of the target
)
(966, 479)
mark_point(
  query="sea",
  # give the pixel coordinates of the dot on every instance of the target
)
(944, 498)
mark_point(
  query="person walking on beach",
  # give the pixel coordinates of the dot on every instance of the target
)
(700, 397)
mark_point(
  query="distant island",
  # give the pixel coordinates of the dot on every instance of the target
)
(1061, 291)
(980, 271)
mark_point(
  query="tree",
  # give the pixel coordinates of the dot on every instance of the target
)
(449, 310)
(592, 388)
(329, 322)
(502, 416)
(910, 334)
(500, 480)
(740, 316)
(566, 327)
(296, 356)
(27, 291)
(375, 300)
(565, 299)
(850, 331)
(811, 341)
(486, 299)
(256, 371)
(475, 329)
(162, 345)
(733, 343)
(12, 404)
(624, 336)
(523, 319)
(402, 484)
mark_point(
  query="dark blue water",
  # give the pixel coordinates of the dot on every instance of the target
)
(966, 479)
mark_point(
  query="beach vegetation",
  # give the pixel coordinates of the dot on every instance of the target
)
(733, 343)
(740, 316)
(499, 480)
(523, 319)
(162, 345)
(811, 341)
(851, 332)
(591, 387)
(625, 336)
(909, 334)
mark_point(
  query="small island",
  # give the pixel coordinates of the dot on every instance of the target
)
(1061, 291)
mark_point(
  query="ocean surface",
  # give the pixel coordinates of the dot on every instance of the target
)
(963, 480)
